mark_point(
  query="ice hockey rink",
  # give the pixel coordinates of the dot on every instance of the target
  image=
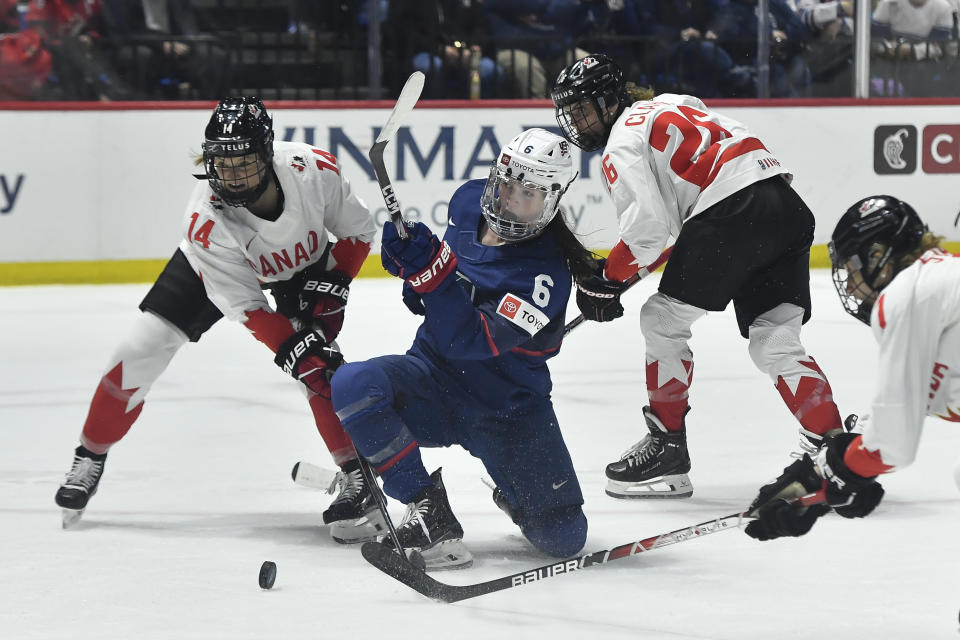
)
(199, 494)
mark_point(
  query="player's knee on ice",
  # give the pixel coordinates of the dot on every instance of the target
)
(559, 532)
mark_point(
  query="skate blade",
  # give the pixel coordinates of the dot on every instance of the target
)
(670, 486)
(71, 517)
(449, 554)
(369, 527)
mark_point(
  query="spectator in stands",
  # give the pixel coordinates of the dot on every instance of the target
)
(24, 65)
(597, 20)
(535, 40)
(445, 40)
(304, 16)
(71, 31)
(829, 53)
(9, 18)
(685, 55)
(911, 31)
(163, 51)
(736, 27)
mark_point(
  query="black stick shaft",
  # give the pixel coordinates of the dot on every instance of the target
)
(386, 187)
(381, 500)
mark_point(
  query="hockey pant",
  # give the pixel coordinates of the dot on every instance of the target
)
(138, 362)
(775, 349)
(393, 405)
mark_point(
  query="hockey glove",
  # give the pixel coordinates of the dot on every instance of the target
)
(776, 513)
(413, 300)
(309, 358)
(598, 298)
(323, 300)
(422, 259)
(850, 494)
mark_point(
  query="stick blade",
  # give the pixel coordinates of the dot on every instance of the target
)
(405, 103)
(388, 561)
(310, 475)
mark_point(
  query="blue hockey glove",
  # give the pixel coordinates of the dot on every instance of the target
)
(413, 300)
(422, 259)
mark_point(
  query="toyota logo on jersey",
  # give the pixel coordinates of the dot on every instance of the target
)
(509, 306)
(522, 313)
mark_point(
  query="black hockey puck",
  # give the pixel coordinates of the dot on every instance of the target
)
(268, 573)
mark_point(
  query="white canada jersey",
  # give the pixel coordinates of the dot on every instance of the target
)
(233, 251)
(669, 158)
(916, 320)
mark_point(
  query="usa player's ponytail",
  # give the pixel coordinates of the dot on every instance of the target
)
(581, 261)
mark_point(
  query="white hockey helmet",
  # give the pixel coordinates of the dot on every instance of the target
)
(526, 182)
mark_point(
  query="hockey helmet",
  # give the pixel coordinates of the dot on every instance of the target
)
(585, 96)
(238, 150)
(525, 185)
(873, 233)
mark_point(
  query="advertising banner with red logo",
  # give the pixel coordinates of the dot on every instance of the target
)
(100, 183)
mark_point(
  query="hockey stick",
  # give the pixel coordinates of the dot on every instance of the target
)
(632, 280)
(310, 475)
(412, 557)
(387, 561)
(405, 103)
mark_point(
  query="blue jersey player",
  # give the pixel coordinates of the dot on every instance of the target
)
(493, 293)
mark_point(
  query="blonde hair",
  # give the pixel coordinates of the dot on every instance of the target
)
(929, 241)
(636, 93)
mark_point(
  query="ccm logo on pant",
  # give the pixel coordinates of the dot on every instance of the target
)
(522, 313)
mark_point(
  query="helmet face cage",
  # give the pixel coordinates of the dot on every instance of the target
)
(537, 205)
(526, 182)
(583, 96)
(873, 233)
(238, 150)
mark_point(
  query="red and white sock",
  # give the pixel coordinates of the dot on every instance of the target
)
(808, 395)
(668, 385)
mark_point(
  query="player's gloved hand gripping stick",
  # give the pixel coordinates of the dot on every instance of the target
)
(626, 284)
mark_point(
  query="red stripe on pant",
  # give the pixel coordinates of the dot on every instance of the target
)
(389, 462)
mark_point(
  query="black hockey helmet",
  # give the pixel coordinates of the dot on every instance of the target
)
(583, 96)
(238, 127)
(874, 232)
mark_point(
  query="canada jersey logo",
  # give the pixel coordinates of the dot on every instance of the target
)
(869, 206)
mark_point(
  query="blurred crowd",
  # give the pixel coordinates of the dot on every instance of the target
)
(176, 49)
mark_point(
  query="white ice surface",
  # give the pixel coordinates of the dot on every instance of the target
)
(199, 494)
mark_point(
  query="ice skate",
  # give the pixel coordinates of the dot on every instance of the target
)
(431, 528)
(810, 443)
(79, 485)
(353, 516)
(655, 467)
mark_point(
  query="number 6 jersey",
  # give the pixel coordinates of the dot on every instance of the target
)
(668, 159)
